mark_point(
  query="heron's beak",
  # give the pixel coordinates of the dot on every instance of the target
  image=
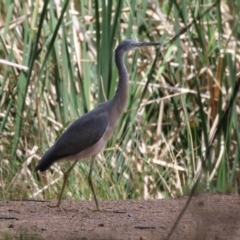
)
(146, 44)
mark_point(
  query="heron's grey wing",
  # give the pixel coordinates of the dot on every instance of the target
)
(83, 133)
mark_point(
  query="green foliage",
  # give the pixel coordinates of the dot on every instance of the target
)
(57, 62)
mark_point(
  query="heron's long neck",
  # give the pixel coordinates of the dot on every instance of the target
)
(121, 95)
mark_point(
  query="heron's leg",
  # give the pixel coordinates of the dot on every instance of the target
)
(94, 193)
(65, 178)
(92, 186)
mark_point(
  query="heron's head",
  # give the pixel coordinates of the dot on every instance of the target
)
(129, 44)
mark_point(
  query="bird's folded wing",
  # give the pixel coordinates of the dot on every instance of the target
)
(82, 134)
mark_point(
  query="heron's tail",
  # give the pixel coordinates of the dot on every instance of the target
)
(46, 162)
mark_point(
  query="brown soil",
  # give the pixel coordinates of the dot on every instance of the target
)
(209, 216)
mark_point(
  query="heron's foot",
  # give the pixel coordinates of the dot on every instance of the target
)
(57, 206)
(62, 209)
(98, 209)
(107, 210)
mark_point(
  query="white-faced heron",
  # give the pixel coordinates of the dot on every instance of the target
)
(88, 135)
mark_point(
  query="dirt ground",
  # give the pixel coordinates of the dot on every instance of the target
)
(209, 216)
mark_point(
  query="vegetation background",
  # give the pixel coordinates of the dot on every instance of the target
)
(57, 62)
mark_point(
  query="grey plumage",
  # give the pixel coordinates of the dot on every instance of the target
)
(83, 133)
(88, 135)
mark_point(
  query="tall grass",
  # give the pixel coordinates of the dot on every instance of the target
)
(56, 63)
